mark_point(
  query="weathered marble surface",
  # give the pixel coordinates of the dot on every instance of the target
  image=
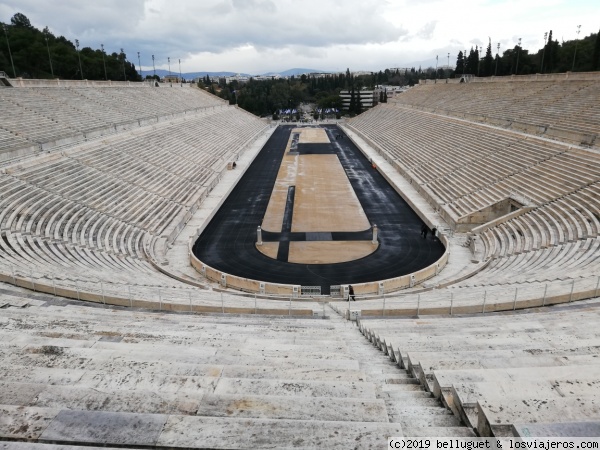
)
(99, 427)
(185, 431)
(571, 429)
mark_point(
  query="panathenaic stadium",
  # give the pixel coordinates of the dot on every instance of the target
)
(166, 282)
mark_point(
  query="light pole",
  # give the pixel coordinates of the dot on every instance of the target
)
(154, 67)
(464, 62)
(576, 42)
(544, 52)
(169, 60)
(104, 62)
(497, 58)
(79, 57)
(448, 75)
(478, 62)
(123, 63)
(49, 57)
(140, 64)
(518, 52)
(9, 52)
(436, 64)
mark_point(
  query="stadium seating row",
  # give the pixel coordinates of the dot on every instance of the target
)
(47, 116)
(540, 107)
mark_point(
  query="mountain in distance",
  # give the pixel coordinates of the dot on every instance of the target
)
(294, 72)
(192, 75)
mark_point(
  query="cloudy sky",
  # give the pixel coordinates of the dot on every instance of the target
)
(257, 36)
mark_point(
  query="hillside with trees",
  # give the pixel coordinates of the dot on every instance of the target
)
(263, 97)
(581, 55)
(40, 54)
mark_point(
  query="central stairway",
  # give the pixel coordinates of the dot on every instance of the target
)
(406, 401)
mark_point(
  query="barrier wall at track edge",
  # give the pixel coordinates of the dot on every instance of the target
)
(378, 287)
(102, 294)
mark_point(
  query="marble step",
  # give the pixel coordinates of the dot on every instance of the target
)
(100, 359)
(35, 446)
(296, 388)
(98, 428)
(293, 408)
(400, 387)
(411, 401)
(425, 431)
(139, 401)
(425, 420)
(155, 377)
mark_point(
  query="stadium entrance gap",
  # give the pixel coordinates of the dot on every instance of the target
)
(316, 197)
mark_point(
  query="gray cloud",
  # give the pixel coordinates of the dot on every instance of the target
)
(186, 27)
(426, 31)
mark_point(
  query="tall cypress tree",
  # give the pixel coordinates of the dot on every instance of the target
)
(549, 64)
(352, 106)
(460, 63)
(359, 106)
(596, 54)
(488, 61)
(472, 61)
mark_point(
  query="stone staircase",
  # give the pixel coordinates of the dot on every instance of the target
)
(406, 401)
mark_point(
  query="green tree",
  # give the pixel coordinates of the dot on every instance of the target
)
(460, 63)
(359, 105)
(472, 61)
(32, 54)
(280, 95)
(352, 106)
(20, 20)
(596, 55)
(488, 61)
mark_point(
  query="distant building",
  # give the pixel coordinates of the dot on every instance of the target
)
(239, 78)
(172, 79)
(368, 98)
(266, 77)
(392, 91)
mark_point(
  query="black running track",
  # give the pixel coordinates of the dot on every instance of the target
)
(228, 242)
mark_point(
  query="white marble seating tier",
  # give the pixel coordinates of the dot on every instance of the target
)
(565, 104)
(216, 373)
(467, 166)
(46, 117)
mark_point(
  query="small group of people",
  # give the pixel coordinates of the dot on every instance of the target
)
(425, 231)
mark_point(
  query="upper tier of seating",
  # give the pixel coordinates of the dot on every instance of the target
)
(535, 105)
(36, 118)
(465, 167)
